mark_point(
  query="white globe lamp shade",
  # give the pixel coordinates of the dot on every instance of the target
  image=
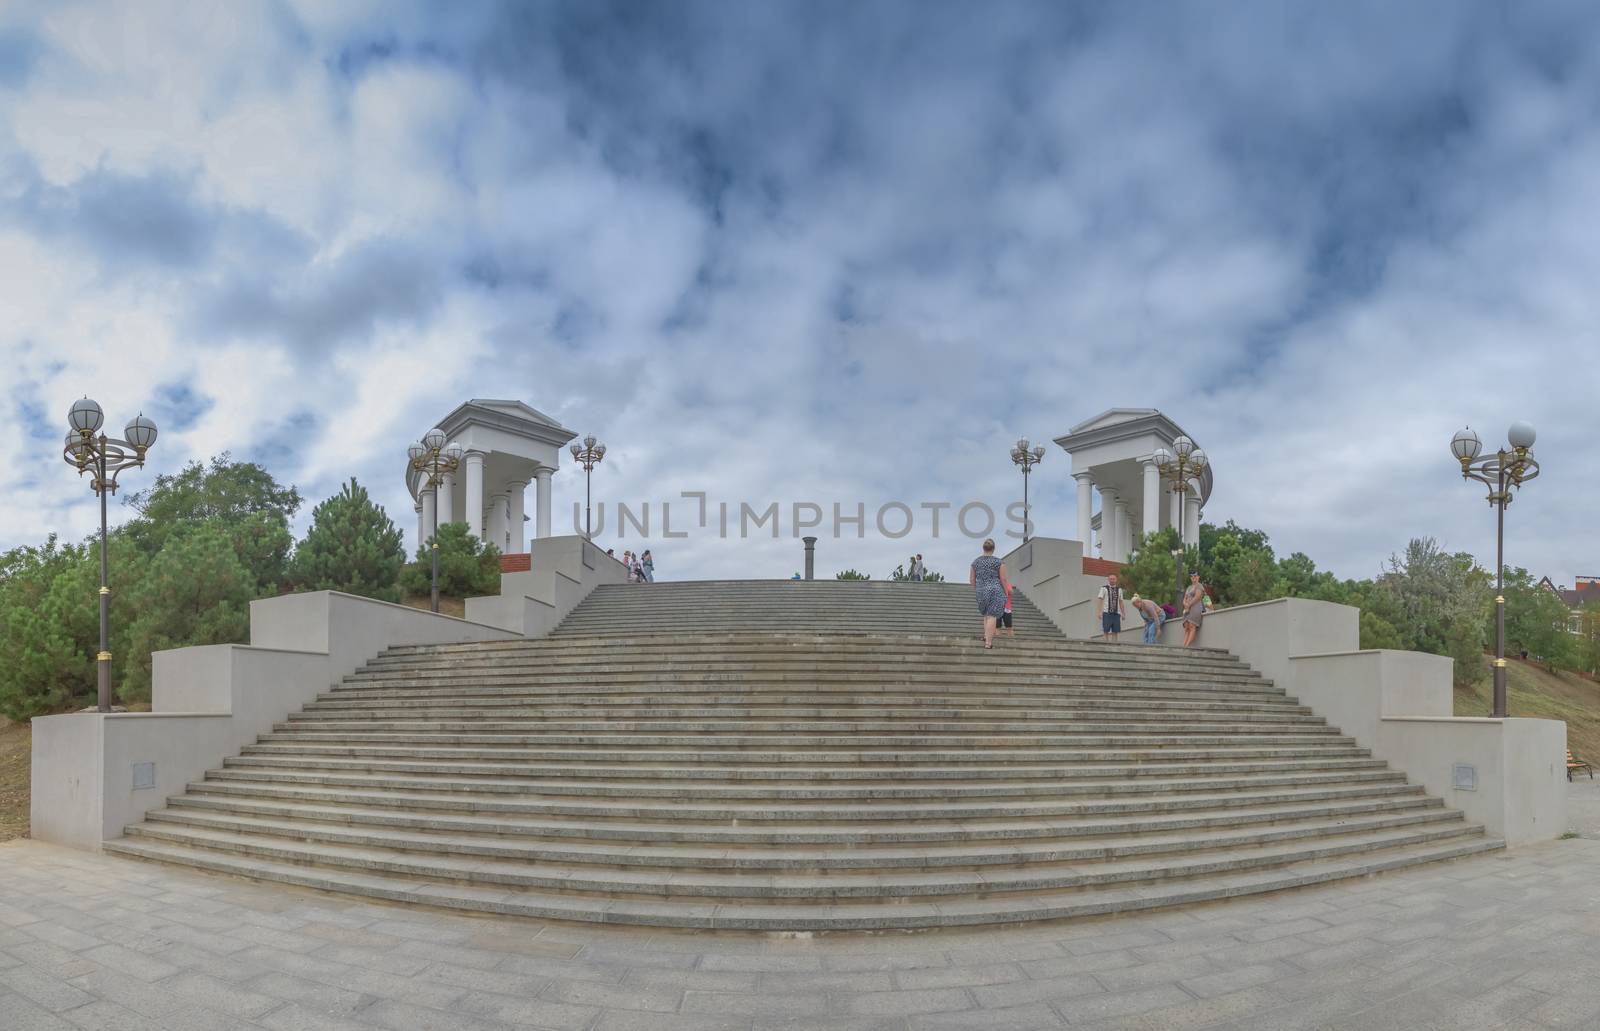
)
(589, 441)
(1521, 435)
(85, 416)
(1183, 446)
(453, 452)
(1198, 458)
(1466, 445)
(599, 451)
(416, 452)
(1038, 453)
(434, 439)
(576, 451)
(1162, 457)
(141, 432)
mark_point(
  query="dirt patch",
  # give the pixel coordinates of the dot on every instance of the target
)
(15, 750)
(447, 606)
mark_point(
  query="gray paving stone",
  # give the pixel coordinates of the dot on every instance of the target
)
(23, 1014)
(659, 999)
(129, 962)
(42, 989)
(1030, 1017)
(1088, 1008)
(219, 995)
(314, 996)
(905, 1003)
(293, 1016)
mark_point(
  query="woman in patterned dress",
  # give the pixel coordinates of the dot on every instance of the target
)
(988, 579)
(1194, 609)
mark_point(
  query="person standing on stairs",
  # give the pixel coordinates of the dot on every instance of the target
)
(988, 580)
(1194, 608)
(647, 563)
(1109, 607)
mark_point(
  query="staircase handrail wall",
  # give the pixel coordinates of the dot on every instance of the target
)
(1401, 705)
(561, 572)
(209, 701)
(1049, 571)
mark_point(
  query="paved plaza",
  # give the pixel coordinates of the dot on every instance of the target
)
(90, 941)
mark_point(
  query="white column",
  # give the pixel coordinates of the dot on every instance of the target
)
(1191, 519)
(1108, 523)
(1152, 496)
(541, 526)
(447, 499)
(515, 501)
(427, 513)
(1085, 512)
(472, 494)
(422, 532)
(1175, 517)
(1124, 532)
(495, 532)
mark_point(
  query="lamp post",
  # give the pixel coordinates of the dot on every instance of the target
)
(1181, 466)
(1177, 563)
(106, 457)
(1502, 472)
(589, 455)
(1026, 457)
(431, 457)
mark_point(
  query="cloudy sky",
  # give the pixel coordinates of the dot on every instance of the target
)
(818, 251)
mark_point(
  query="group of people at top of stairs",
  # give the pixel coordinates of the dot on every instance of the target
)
(988, 578)
(641, 567)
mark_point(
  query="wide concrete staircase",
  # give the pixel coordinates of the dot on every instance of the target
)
(793, 756)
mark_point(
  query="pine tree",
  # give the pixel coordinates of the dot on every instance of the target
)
(468, 567)
(352, 546)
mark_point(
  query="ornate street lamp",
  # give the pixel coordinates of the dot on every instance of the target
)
(431, 457)
(1502, 472)
(1181, 467)
(589, 455)
(106, 457)
(1026, 457)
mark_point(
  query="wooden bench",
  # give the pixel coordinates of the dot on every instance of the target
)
(1574, 763)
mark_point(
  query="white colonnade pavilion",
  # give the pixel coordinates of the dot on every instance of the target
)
(506, 446)
(1116, 454)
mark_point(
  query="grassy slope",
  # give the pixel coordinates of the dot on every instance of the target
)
(14, 752)
(1530, 691)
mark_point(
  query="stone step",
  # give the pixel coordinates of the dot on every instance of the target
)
(1190, 737)
(902, 721)
(380, 812)
(653, 691)
(836, 886)
(1165, 891)
(797, 811)
(763, 757)
(791, 858)
(687, 789)
(1006, 655)
(848, 774)
(504, 709)
(910, 724)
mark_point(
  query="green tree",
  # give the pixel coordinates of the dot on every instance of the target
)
(1153, 572)
(468, 567)
(195, 591)
(1537, 621)
(851, 574)
(1238, 568)
(1440, 602)
(243, 497)
(49, 628)
(352, 545)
